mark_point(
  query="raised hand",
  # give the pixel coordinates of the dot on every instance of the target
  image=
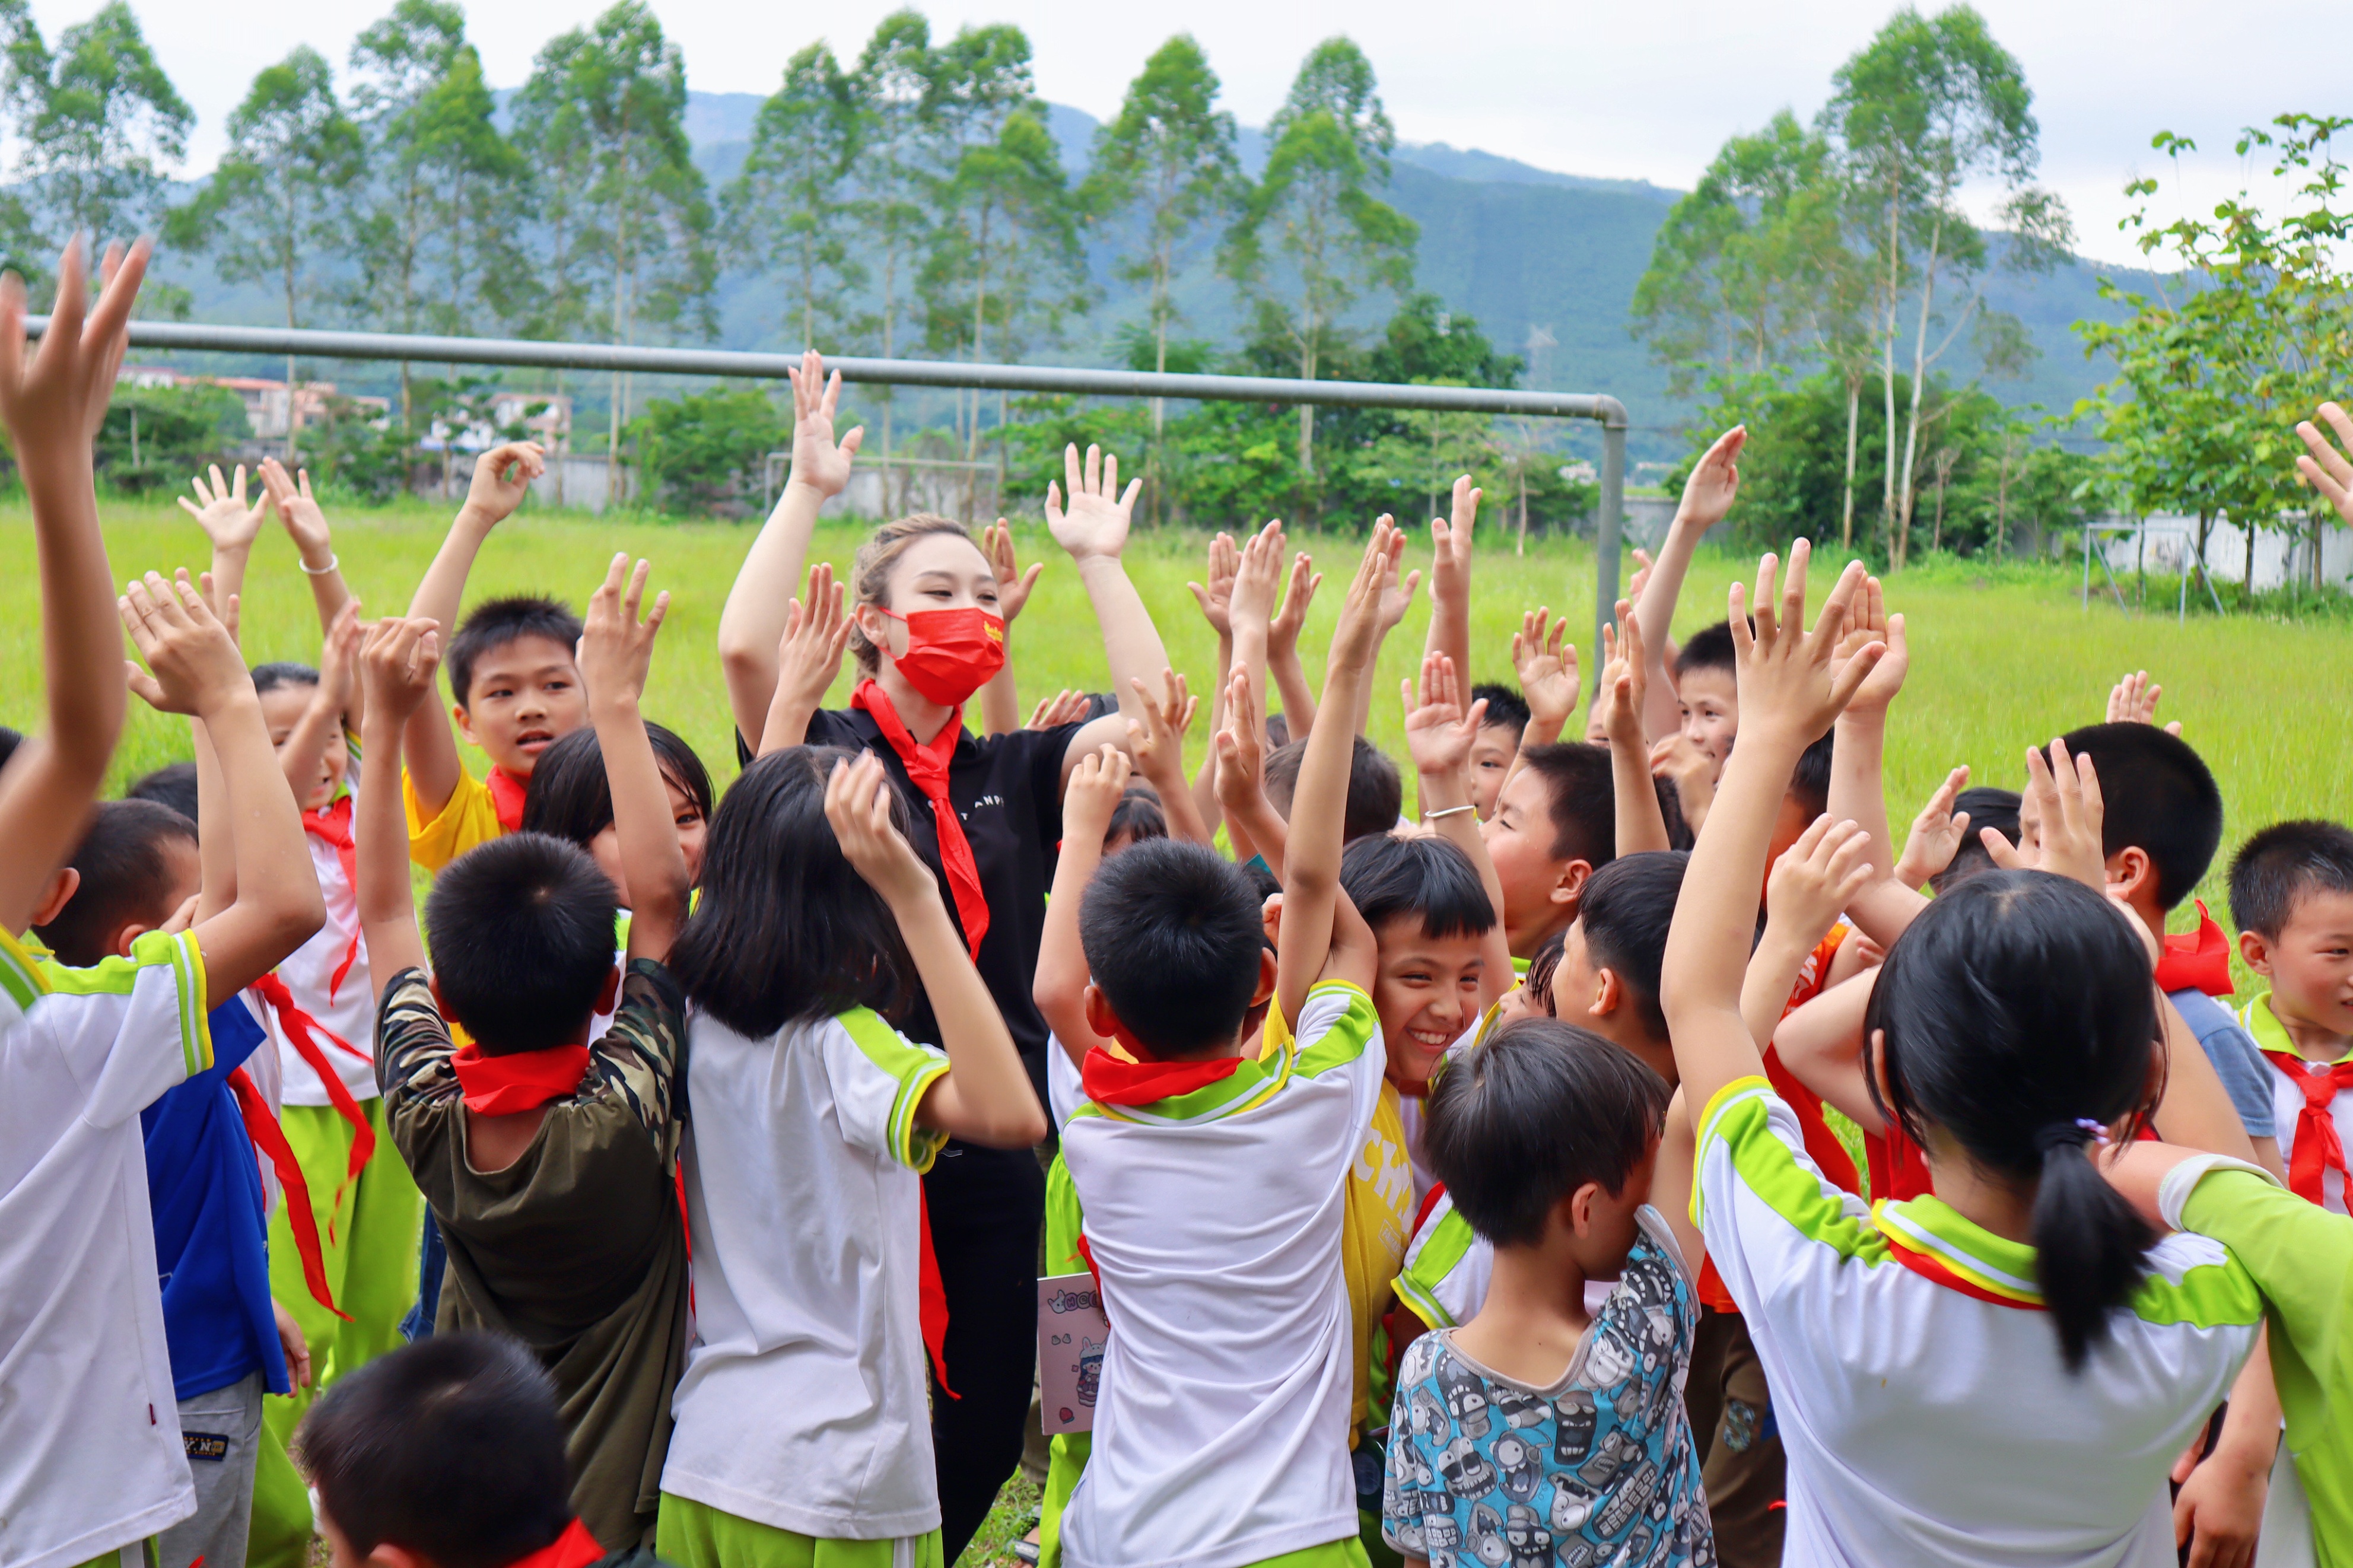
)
(818, 462)
(1547, 666)
(1158, 744)
(1065, 707)
(1450, 568)
(397, 661)
(1438, 732)
(2133, 700)
(220, 510)
(1787, 677)
(1817, 876)
(196, 667)
(502, 477)
(1397, 592)
(1937, 833)
(298, 510)
(1714, 480)
(1096, 523)
(1093, 793)
(1283, 631)
(2325, 468)
(1363, 613)
(1013, 585)
(1256, 578)
(54, 400)
(857, 806)
(1215, 597)
(1869, 623)
(1641, 578)
(339, 658)
(2066, 793)
(616, 648)
(1241, 755)
(817, 631)
(1624, 680)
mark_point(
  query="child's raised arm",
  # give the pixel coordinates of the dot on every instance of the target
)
(1282, 647)
(753, 623)
(1157, 745)
(230, 524)
(1808, 886)
(1708, 494)
(1059, 986)
(1449, 579)
(196, 670)
(1094, 531)
(808, 657)
(338, 679)
(615, 651)
(1215, 599)
(1936, 833)
(1881, 906)
(1395, 598)
(53, 403)
(397, 663)
(1640, 823)
(1322, 934)
(502, 477)
(985, 1095)
(1438, 734)
(1789, 695)
(305, 522)
(1251, 821)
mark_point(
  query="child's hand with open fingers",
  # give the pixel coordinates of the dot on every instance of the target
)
(2133, 700)
(1450, 539)
(54, 398)
(1283, 631)
(1937, 833)
(1789, 680)
(1397, 592)
(817, 631)
(221, 511)
(1362, 613)
(2066, 792)
(1158, 744)
(1869, 623)
(1546, 663)
(298, 512)
(820, 462)
(2325, 468)
(1013, 585)
(398, 657)
(503, 477)
(1096, 523)
(1625, 681)
(616, 648)
(193, 664)
(1241, 756)
(1257, 576)
(1714, 480)
(857, 806)
(1093, 793)
(1215, 597)
(1815, 878)
(1438, 732)
(1065, 707)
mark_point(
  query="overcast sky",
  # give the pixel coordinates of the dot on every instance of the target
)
(1646, 91)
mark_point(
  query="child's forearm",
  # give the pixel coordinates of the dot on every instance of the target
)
(307, 744)
(228, 566)
(1058, 984)
(1771, 975)
(387, 908)
(433, 765)
(216, 831)
(1310, 872)
(788, 722)
(2195, 1110)
(279, 906)
(1857, 793)
(752, 624)
(1662, 714)
(651, 861)
(985, 1097)
(1204, 789)
(1446, 809)
(1641, 825)
(1821, 1044)
(1298, 701)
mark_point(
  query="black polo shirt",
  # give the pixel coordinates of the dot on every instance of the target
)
(1007, 792)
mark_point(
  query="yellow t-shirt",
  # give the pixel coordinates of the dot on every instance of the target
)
(469, 820)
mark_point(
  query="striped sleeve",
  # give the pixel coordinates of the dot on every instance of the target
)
(129, 1028)
(879, 1077)
(1337, 1026)
(1753, 1168)
(1446, 1270)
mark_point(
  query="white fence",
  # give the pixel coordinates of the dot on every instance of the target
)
(2167, 544)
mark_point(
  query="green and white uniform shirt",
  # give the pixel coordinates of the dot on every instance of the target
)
(91, 1459)
(803, 1404)
(1923, 1405)
(1214, 1218)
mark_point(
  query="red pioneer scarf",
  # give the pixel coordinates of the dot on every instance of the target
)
(507, 793)
(302, 1032)
(519, 1081)
(575, 1548)
(2201, 961)
(1108, 1081)
(2317, 1148)
(261, 1126)
(927, 770)
(333, 825)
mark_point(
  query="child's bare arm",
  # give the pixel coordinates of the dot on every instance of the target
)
(1282, 647)
(305, 522)
(1803, 895)
(1936, 833)
(808, 657)
(397, 662)
(615, 651)
(753, 623)
(1788, 694)
(53, 403)
(1315, 941)
(1059, 986)
(1674, 1177)
(1856, 793)
(1822, 1045)
(221, 511)
(1157, 745)
(985, 1095)
(1707, 495)
(1449, 580)
(338, 661)
(1438, 735)
(502, 477)
(1396, 598)
(1251, 821)
(196, 670)
(1641, 825)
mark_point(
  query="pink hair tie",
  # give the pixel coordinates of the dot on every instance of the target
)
(2099, 1132)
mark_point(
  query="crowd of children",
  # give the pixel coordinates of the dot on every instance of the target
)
(1636, 1158)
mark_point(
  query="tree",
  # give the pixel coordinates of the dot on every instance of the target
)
(702, 452)
(276, 202)
(1330, 144)
(896, 89)
(98, 121)
(610, 99)
(789, 207)
(1168, 159)
(1928, 106)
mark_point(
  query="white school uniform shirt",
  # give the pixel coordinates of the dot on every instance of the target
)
(1214, 1217)
(89, 1434)
(2280, 1058)
(348, 1010)
(803, 1402)
(1447, 1267)
(1924, 1407)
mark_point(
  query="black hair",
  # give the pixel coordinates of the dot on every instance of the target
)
(786, 929)
(173, 785)
(1278, 731)
(125, 865)
(1987, 807)
(1506, 709)
(1626, 909)
(1138, 816)
(2017, 1009)
(10, 739)
(494, 623)
(2284, 862)
(1424, 879)
(1582, 801)
(1375, 793)
(571, 797)
(450, 1447)
(1172, 935)
(1710, 647)
(521, 933)
(282, 672)
(1544, 965)
(1532, 1113)
(1810, 780)
(2157, 796)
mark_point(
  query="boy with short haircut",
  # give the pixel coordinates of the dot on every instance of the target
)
(2292, 900)
(515, 684)
(448, 1454)
(1543, 1430)
(1498, 744)
(1376, 791)
(1553, 825)
(1233, 1339)
(548, 1161)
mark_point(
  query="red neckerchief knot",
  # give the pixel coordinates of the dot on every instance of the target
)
(927, 770)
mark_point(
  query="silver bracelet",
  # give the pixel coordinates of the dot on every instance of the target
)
(1450, 811)
(333, 564)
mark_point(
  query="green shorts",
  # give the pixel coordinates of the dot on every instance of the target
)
(695, 1535)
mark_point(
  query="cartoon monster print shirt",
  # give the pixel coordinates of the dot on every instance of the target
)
(1598, 1468)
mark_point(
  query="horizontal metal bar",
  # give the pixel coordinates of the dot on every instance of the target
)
(1607, 411)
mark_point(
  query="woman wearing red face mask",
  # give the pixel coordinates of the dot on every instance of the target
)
(930, 614)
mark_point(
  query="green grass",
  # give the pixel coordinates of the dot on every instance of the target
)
(2002, 658)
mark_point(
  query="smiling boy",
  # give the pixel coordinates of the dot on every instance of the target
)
(2292, 895)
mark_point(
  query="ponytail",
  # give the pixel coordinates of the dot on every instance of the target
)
(2090, 1245)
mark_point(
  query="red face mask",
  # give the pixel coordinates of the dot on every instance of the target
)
(951, 654)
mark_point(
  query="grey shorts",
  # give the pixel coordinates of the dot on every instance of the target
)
(221, 1430)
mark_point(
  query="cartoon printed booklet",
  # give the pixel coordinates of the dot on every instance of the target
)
(1072, 1334)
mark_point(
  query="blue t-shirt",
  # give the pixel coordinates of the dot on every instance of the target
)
(1599, 1467)
(2238, 1060)
(212, 1240)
